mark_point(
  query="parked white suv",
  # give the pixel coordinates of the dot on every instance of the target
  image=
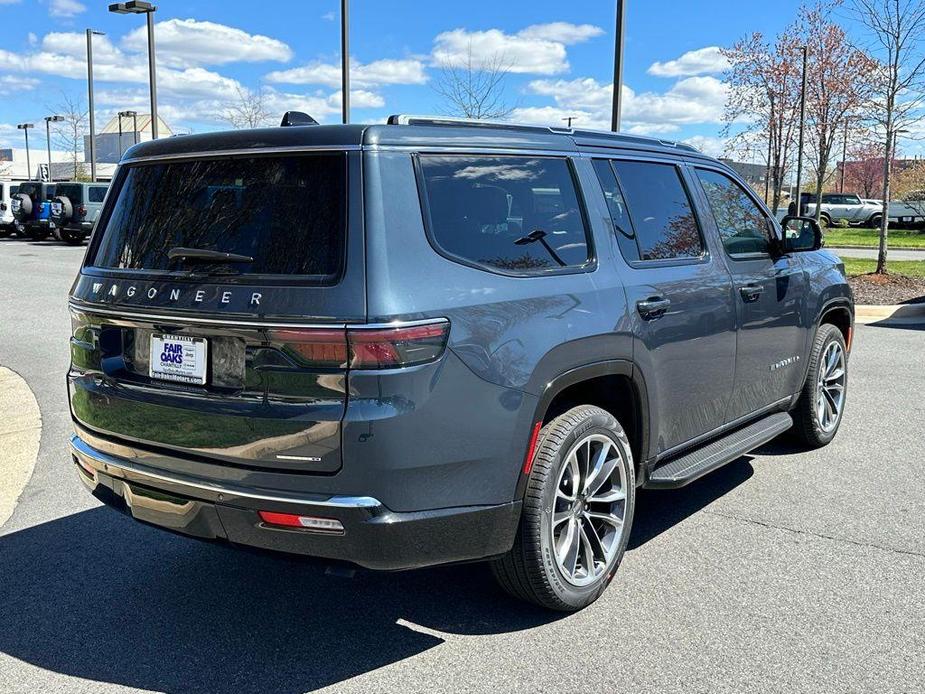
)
(7, 191)
(848, 206)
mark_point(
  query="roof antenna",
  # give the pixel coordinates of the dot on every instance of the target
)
(291, 118)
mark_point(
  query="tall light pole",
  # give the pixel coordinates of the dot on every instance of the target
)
(800, 148)
(48, 121)
(147, 9)
(25, 128)
(90, 34)
(618, 67)
(345, 60)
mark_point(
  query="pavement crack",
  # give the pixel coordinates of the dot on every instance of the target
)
(823, 536)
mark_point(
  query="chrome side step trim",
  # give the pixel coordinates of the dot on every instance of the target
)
(133, 472)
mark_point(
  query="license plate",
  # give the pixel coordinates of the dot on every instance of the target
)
(178, 358)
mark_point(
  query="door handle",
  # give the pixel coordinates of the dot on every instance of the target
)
(653, 307)
(751, 292)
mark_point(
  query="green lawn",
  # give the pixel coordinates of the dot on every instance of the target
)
(861, 266)
(898, 238)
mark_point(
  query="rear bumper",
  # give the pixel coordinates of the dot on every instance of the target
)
(373, 536)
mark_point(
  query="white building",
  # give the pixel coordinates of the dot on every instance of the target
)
(15, 165)
(109, 149)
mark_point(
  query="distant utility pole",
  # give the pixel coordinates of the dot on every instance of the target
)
(345, 59)
(618, 66)
(569, 119)
(802, 128)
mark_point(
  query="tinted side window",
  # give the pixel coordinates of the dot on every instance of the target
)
(742, 225)
(96, 194)
(513, 213)
(661, 210)
(619, 214)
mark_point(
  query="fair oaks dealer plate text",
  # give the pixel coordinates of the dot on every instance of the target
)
(178, 358)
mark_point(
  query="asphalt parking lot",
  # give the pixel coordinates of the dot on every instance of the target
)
(784, 571)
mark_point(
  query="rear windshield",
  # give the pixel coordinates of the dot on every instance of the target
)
(74, 193)
(286, 213)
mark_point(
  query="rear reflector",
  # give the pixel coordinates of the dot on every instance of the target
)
(360, 348)
(531, 447)
(292, 520)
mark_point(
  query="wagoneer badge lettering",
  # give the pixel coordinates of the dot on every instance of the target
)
(223, 297)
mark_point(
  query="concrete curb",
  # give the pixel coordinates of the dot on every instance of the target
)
(20, 433)
(908, 314)
(890, 249)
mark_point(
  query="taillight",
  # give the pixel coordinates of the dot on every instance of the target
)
(366, 348)
(82, 210)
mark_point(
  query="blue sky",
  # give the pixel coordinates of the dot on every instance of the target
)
(560, 53)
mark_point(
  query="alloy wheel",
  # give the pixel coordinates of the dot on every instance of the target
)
(589, 509)
(830, 390)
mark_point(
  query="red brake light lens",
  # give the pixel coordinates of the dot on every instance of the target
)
(361, 348)
(400, 346)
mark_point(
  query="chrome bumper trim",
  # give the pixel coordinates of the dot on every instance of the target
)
(132, 472)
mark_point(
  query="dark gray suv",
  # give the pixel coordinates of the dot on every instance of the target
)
(428, 342)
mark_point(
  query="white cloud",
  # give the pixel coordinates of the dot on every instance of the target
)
(563, 32)
(65, 8)
(375, 74)
(12, 84)
(690, 101)
(538, 49)
(191, 43)
(712, 146)
(700, 62)
(329, 16)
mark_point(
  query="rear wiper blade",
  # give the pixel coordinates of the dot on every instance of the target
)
(207, 255)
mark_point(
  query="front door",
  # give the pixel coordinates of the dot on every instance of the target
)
(680, 295)
(769, 295)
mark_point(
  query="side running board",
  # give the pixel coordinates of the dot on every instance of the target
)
(694, 465)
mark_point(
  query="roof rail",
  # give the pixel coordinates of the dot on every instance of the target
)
(450, 121)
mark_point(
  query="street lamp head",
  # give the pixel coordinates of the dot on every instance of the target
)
(132, 7)
(127, 114)
(54, 119)
(25, 126)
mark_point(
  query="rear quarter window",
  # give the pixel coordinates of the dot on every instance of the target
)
(288, 213)
(515, 214)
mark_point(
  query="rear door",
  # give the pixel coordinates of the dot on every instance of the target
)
(680, 296)
(240, 359)
(770, 292)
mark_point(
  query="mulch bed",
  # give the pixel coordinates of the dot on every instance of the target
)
(887, 289)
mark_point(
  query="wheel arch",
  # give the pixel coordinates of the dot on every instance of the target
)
(616, 386)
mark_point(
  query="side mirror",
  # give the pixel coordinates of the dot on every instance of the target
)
(801, 234)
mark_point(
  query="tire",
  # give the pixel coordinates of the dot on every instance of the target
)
(67, 211)
(72, 238)
(814, 424)
(532, 569)
(23, 210)
(876, 221)
(825, 221)
(5, 231)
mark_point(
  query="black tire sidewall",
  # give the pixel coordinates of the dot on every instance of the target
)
(598, 422)
(67, 211)
(26, 206)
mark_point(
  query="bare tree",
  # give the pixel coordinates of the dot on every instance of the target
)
(764, 93)
(248, 110)
(475, 89)
(69, 134)
(839, 85)
(897, 32)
